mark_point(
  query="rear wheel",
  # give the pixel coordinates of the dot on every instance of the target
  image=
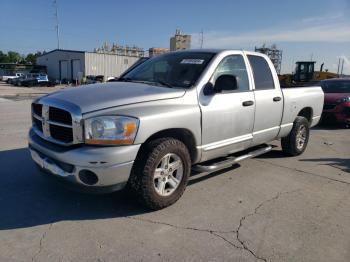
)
(295, 143)
(160, 177)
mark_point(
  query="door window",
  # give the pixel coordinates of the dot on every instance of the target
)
(233, 65)
(262, 73)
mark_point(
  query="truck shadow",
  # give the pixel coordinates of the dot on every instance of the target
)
(330, 126)
(29, 199)
(342, 164)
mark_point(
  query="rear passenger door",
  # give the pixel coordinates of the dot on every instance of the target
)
(268, 99)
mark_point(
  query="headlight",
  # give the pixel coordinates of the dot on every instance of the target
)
(110, 130)
(344, 99)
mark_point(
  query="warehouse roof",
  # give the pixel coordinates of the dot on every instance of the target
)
(63, 50)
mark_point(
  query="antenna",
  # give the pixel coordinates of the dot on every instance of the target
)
(57, 24)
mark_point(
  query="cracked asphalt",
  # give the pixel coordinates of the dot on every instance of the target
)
(270, 208)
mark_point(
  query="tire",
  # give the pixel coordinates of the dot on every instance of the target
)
(160, 174)
(295, 143)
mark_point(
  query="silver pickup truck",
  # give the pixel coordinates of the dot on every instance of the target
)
(201, 110)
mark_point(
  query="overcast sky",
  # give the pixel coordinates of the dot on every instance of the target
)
(316, 29)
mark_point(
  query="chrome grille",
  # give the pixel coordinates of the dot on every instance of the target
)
(60, 116)
(37, 109)
(55, 124)
(61, 133)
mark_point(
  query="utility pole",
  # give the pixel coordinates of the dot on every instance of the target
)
(57, 24)
(201, 39)
(342, 67)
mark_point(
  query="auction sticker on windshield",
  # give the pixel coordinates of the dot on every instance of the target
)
(192, 61)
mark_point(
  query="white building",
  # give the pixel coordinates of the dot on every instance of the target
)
(71, 65)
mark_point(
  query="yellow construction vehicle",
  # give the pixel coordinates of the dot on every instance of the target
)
(305, 74)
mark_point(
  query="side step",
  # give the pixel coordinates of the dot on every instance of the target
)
(230, 160)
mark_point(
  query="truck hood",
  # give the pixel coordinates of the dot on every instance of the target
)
(100, 96)
(331, 98)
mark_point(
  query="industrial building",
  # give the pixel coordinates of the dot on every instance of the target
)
(274, 54)
(180, 41)
(70, 65)
(154, 51)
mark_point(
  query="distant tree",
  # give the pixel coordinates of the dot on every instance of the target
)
(14, 57)
(3, 57)
(31, 58)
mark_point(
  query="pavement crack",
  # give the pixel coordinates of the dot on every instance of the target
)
(304, 172)
(242, 242)
(226, 240)
(215, 233)
(43, 236)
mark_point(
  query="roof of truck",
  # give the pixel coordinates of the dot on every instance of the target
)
(215, 51)
(211, 50)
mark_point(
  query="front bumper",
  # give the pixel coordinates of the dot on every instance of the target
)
(90, 168)
(340, 113)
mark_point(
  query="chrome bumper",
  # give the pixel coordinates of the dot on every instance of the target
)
(111, 166)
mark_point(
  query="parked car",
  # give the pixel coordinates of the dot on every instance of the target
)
(198, 109)
(18, 81)
(337, 100)
(6, 78)
(15, 81)
(36, 79)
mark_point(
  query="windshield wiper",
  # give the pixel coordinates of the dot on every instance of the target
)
(125, 79)
(163, 83)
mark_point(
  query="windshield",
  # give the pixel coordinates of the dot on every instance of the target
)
(337, 86)
(173, 69)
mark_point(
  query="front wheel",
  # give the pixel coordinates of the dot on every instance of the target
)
(295, 143)
(160, 177)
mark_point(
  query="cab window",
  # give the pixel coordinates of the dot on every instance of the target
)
(233, 65)
(262, 73)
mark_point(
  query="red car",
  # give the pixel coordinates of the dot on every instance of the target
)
(337, 100)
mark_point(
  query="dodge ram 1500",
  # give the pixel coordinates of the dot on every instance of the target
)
(198, 109)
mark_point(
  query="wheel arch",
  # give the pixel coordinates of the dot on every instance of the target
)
(182, 134)
(306, 112)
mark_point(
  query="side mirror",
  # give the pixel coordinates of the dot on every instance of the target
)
(225, 82)
(208, 89)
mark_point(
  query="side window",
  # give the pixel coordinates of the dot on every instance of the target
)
(262, 73)
(233, 65)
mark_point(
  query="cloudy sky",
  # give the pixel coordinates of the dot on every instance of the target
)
(304, 30)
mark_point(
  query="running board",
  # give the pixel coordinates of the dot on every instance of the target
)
(230, 160)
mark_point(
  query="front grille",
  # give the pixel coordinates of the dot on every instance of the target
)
(346, 112)
(37, 109)
(53, 124)
(59, 115)
(329, 107)
(38, 124)
(64, 134)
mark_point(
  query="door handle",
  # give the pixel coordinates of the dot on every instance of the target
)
(277, 98)
(248, 103)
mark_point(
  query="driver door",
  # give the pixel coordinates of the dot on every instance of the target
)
(228, 116)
